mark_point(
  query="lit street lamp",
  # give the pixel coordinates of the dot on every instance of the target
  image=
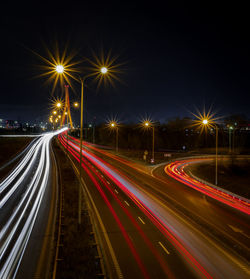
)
(148, 124)
(76, 104)
(230, 129)
(60, 68)
(114, 125)
(99, 71)
(103, 71)
(211, 123)
(59, 105)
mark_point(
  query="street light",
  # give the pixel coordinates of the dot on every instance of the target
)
(59, 105)
(102, 71)
(207, 123)
(114, 125)
(148, 124)
(76, 104)
(59, 69)
(230, 129)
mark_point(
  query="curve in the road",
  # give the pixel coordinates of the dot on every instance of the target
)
(177, 171)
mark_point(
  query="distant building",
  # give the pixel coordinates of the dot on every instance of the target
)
(9, 124)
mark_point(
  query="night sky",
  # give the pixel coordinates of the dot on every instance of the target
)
(178, 57)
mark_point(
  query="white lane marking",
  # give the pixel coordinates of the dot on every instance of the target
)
(116, 191)
(164, 248)
(111, 250)
(141, 220)
(126, 203)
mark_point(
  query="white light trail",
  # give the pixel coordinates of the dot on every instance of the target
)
(16, 231)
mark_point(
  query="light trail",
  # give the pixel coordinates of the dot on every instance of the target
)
(144, 204)
(24, 188)
(190, 245)
(176, 170)
(165, 268)
(118, 221)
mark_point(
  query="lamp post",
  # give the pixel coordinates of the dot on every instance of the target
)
(114, 125)
(207, 122)
(148, 124)
(230, 128)
(103, 70)
(216, 155)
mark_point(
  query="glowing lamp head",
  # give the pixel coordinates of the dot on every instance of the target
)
(59, 104)
(104, 70)
(205, 121)
(146, 124)
(54, 112)
(60, 69)
(76, 104)
(112, 124)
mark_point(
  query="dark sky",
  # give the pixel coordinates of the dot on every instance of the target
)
(178, 57)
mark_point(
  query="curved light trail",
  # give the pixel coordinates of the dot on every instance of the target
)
(21, 195)
(177, 171)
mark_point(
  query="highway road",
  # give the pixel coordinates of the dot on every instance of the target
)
(27, 212)
(154, 226)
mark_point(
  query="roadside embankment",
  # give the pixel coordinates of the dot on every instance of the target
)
(10, 147)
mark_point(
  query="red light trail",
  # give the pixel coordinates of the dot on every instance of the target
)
(134, 195)
(176, 170)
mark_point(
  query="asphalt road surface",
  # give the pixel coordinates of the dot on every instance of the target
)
(153, 226)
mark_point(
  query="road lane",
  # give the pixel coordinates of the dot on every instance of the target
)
(24, 202)
(218, 260)
(146, 257)
(210, 214)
